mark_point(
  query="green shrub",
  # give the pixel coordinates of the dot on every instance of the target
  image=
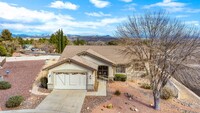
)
(5, 85)
(120, 77)
(109, 106)
(145, 86)
(44, 81)
(3, 51)
(166, 93)
(117, 92)
(14, 101)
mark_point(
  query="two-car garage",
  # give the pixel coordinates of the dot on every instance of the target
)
(75, 73)
(70, 81)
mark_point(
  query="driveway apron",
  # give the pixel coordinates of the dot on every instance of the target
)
(63, 101)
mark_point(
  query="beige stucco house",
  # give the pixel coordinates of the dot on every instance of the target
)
(79, 67)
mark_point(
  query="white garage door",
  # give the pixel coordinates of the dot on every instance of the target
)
(69, 81)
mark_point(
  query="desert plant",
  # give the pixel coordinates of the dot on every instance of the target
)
(166, 93)
(145, 86)
(117, 92)
(143, 75)
(109, 106)
(5, 85)
(44, 81)
(120, 77)
(14, 101)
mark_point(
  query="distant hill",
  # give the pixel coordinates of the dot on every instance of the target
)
(94, 38)
(105, 38)
(31, 36)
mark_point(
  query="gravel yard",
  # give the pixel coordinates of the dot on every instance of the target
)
(22, 76)
(141, 101)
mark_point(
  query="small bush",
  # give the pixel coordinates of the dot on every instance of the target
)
(44, 81)
(143, 75)
(166, 93)
(5, 85)
(117, 92)
(109, 106)
(120, 77)
(14, 101)
(145, 86)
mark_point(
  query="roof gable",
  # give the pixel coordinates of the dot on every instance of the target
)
(77, 60)
(96, 55)
(108, 53)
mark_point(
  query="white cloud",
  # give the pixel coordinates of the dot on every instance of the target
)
(168, 5)
(100, 3)
(63, 5)
(26, 20)
(69, 26)
(195, 23)
(130, 7)
(172, 6)
(21, 14)
(126, 1)
(97, 14)
(189, 10)
(182, 16)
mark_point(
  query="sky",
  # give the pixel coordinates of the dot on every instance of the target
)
(86, 17)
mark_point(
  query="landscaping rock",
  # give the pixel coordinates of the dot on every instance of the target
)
(136, 110)
(131, 109)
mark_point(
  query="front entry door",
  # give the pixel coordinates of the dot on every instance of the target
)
(103, 71)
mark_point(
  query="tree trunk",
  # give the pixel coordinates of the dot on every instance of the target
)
(156, 95)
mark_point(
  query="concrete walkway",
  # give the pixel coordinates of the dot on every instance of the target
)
(63, 101)
(101, 89)
(36, 92)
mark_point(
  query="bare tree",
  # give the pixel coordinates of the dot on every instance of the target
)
(161, 42)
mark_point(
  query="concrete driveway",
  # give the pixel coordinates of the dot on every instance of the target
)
(63, 101)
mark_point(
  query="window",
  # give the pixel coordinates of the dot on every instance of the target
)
(139, 66)
(103, 71)
(120, 69)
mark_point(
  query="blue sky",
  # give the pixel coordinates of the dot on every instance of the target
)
(86, 17)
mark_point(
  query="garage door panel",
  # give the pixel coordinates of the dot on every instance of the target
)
(74, 80)
(64, 81)
(60, 81)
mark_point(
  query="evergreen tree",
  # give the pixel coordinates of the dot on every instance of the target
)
(6, 35)
(60, 40)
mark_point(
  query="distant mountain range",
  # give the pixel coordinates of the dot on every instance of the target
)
(31, 36)
(104, 38)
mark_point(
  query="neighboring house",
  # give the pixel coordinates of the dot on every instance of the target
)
(28, 47)
(79, 67)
